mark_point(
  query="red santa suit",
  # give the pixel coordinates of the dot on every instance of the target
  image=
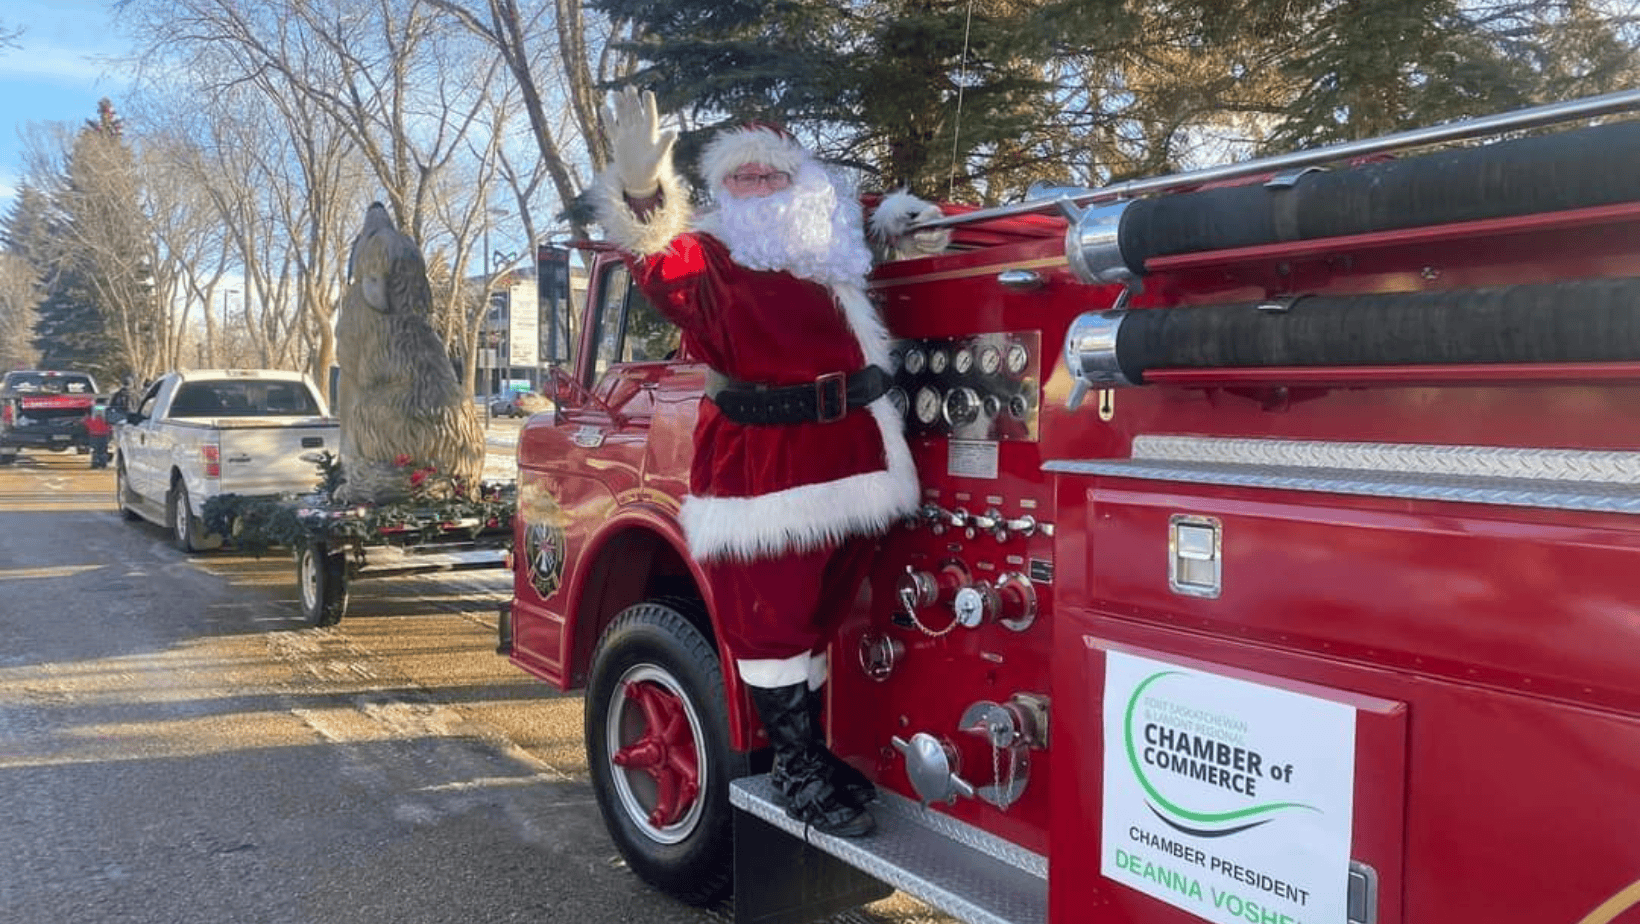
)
(770, 504)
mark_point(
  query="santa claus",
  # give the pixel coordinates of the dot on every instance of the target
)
(799, 459)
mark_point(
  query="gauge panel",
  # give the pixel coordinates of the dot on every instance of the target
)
(975, 387)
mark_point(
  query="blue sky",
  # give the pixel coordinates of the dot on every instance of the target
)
(58, 74)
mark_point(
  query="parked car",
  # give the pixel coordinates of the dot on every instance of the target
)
(516, 404)
(44, 409)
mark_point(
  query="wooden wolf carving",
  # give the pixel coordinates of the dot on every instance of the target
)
(398, 396)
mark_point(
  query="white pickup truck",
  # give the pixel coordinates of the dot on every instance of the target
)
(198, 434)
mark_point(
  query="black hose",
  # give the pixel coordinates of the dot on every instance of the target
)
(1591, 320)
(1545, 173)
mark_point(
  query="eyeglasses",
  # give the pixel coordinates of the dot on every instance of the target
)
(774, 179)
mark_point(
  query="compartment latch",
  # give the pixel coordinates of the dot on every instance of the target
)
(1195, 568)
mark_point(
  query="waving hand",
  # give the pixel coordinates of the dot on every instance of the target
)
(638, 146)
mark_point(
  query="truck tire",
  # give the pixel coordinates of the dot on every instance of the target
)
(121, 492)
(7, 458)
(321, 580)
(657, 735)
(186, 528)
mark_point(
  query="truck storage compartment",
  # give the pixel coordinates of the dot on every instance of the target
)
(1486, 654)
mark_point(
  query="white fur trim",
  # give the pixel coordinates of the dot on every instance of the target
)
(865, 322)
(736, 146)
(770, 673)
(894, 214)
(819, 669)
(808, 516)
(652, 233)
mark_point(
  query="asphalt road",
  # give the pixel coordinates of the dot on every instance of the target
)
(177, 746)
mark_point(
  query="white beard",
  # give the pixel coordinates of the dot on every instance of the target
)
(807, 229)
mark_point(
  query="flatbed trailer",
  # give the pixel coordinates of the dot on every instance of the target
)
(326, 564)
(335, 544)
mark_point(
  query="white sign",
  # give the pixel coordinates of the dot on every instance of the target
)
(1228, 799)
(971, 459)
(523, 324)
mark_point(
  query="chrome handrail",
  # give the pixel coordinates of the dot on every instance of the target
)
(1532, 117)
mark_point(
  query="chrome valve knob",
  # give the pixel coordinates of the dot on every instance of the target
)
(916, 589)
(975, 605)
(879, 655)
(1025, 525)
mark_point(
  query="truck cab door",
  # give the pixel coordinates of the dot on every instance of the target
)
(139, 444)
(591, 462)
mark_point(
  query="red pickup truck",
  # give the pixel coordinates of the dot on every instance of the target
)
(42, 409)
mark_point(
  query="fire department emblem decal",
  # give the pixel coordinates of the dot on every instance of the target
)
(544, 546)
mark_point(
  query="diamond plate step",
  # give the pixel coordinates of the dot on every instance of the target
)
(964, 871)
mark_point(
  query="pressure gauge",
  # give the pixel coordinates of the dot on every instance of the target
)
(895, 359)
(961, 407)
(896, 397)
(928, 404)
(1018, 358)
(963, 361)
(1018, 407)
(990, 360)
(915, 360)
(937, 361)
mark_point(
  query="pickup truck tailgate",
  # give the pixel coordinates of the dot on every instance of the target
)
(264, 455)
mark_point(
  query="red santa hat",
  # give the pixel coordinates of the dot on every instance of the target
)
(752, 143)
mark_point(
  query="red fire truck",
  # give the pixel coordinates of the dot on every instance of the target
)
(1279, 556)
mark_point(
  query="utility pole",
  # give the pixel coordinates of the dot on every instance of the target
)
(492, 377)
(222, 339)
(484, 336)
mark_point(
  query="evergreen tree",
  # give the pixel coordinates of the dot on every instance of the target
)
(65, 332)
(913, 91)
(975, 99)
(98, 311)
(24, 232)
(1370, 67)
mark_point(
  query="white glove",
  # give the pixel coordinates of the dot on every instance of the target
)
(638, 147)
(898, 212)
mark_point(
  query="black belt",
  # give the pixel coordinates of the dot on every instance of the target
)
(828, 398)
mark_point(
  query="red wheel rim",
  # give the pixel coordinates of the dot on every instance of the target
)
(655, 751)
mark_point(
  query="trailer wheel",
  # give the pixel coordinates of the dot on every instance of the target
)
(657, 733)
(122, 493)
(185, 527)
(321, 577)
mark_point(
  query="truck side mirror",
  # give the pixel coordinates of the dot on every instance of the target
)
(563, 389)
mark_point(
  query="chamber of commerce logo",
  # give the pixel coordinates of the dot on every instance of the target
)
(544, 548)
(1197, 770)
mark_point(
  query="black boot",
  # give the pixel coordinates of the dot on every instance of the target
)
(855, 785)
(803, 775)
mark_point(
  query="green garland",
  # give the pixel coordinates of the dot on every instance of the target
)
(437, 507)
